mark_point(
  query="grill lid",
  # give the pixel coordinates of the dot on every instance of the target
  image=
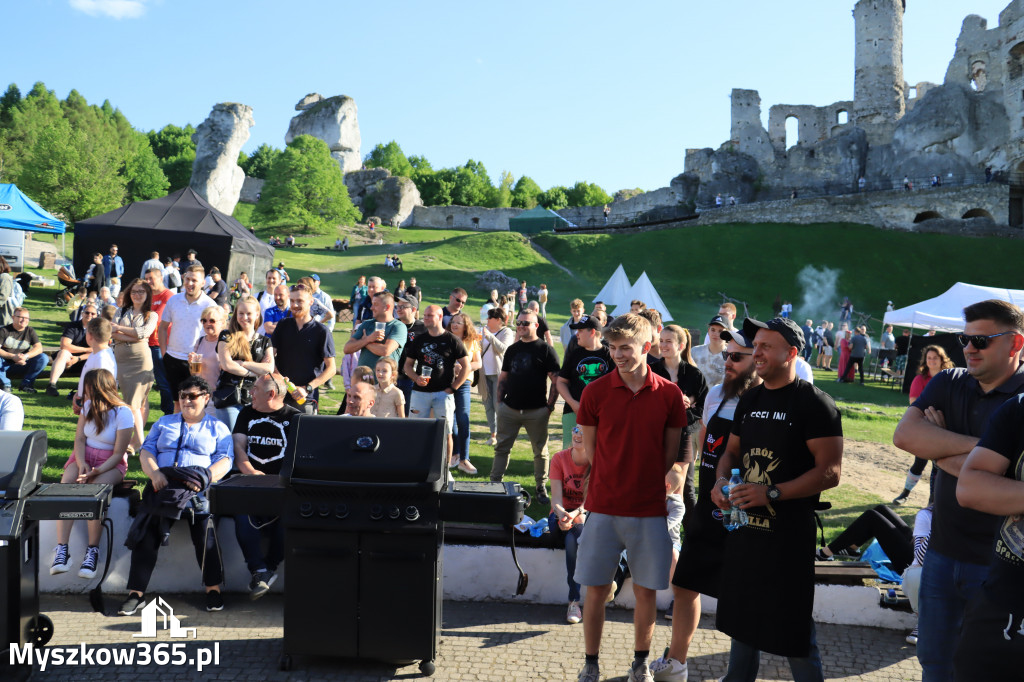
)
(22, 455)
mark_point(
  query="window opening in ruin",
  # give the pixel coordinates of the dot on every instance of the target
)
(977, 213)
(926, 215)
(1015, 65)
(978, 76)
(476, 222)
(842, 117)
(792, 131)
(449, 221)
(912, 92)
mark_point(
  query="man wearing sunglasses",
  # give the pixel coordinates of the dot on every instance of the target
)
(456, 300)
(786, 439)
(944, 424)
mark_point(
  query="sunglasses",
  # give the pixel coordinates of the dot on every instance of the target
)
(577, 429)
(735, 357)
(524, 323)
(190, 397)
(460, 301)
(979, 341)
(299, 287)
(204, 320)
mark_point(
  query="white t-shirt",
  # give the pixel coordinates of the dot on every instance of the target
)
(184, 320)
(803, 370)
(118, 418)
(712, 401)
(12, 412)
(266, 300)
(102, 360)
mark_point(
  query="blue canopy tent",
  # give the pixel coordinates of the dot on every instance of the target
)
(18, 212)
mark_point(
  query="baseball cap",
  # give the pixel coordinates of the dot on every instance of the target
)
(315, 277)
(720, 321)
(411, 301)
(789, 329)
(586, 322)
(738, 337)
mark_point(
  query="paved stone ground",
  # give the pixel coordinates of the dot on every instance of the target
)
(478, 641)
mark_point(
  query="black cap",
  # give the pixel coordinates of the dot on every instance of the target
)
(586, 322)
(720, 321)
(789, 329)
(412, 301)
(738, 337)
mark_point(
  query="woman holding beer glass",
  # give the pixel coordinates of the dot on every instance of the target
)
(242, 355)
(202, 361)
(132, 326)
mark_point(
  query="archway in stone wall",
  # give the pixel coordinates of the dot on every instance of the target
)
(979, 75)
(842, 117)
(449, 221)
(792, 131)
(1015, 63)
(977, 213)
(926, 215)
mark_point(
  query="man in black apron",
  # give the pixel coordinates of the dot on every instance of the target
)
(787, 442)
(700, 560)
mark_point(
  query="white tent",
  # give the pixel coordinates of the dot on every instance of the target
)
(945, 312)
(643, 290)
(616, 289)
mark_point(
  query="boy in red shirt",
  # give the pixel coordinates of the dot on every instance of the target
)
(632, 421)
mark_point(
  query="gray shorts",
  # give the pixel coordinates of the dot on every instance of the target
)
(645, 539)
(675, 517)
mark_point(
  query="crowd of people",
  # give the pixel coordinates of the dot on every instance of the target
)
(653, 424)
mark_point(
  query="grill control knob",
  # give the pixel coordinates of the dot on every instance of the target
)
(306, 510)
(411, 513)
(376, 512)
(324, 510)
(394, 512)
(341, 511)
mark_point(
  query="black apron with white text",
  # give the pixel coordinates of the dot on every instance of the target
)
(700, 558)
(767, 592)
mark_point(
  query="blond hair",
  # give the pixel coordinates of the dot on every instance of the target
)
(629, 327)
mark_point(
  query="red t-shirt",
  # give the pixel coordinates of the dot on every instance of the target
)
(628, 473)
(565, 470)
(918, 384)
(157, 306)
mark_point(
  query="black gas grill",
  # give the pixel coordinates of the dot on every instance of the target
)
(23, 504)
(363, 505)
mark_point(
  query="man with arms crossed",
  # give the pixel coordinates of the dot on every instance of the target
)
(180, 328)
(632, 421)
(787, 441)
(944, 425)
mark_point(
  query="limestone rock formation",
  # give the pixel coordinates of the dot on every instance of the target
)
(215, 173)
(363, 182)
(396, 198)
(333, 120)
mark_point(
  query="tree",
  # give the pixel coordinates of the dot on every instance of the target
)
(390, 156)
(587, 194)
(503, 192)
(472, 185)
(305, 187)
(11, 98)
(526, 193)
(259, 162)
(554, 198)
(176, 152)
(145, 178)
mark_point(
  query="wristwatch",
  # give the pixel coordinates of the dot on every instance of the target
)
(309, 389)
(774, 494)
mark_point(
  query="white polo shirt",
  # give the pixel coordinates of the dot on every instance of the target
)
(185, 325)
(12, 412)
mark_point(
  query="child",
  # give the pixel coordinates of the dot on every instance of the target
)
(390, 400)
(97, 336)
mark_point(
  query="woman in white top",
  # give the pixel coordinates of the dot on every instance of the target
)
(494, 339)
(491, 303)
(99, 455)
(213, 321)
(133, 324)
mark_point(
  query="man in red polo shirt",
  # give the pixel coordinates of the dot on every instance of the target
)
(632, 421)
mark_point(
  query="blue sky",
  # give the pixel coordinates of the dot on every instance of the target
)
(607, 92)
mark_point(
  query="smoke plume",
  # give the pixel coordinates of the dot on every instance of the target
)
(820, 301)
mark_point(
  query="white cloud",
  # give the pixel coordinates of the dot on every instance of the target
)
(117, 9)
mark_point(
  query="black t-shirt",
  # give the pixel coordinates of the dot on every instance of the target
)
(528, 364)
(581, 366)
(439, 353)
(692, 383)
(17, 342)
(413, 330)
(219, 292)
(1006, 437)
(542, 326)
(267, 434)
(957, 532)
(75, 333)
(774, 426)
(902, 345)
(300, 354)
(412, 290)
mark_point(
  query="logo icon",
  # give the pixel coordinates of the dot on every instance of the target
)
(6, 207)
(171, 622)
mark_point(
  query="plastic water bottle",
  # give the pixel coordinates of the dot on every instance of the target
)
(735, 517)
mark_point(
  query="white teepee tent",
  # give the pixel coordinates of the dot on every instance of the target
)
(616, 290)
(643, 290)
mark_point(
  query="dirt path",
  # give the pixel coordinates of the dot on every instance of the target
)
(880, 468)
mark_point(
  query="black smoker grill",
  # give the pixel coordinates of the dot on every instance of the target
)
(364, 503)
(23, 504)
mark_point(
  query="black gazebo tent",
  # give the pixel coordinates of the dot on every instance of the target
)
(172, 225)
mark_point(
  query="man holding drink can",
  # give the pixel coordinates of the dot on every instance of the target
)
(383, 336)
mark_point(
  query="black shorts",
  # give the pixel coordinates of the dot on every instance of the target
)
(177, 372)
(991, 645)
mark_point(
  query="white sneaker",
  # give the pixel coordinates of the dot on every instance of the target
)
(640, 672)
(61, 560)
(467, 467)
(573, 615)
(492, 440)
(669, 670)
(589, 673)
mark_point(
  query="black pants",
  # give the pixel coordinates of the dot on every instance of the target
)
(895, 536)
(177, 372)
(145, 553)
(849, 367)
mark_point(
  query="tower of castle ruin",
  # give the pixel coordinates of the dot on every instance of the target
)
(879, 100)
